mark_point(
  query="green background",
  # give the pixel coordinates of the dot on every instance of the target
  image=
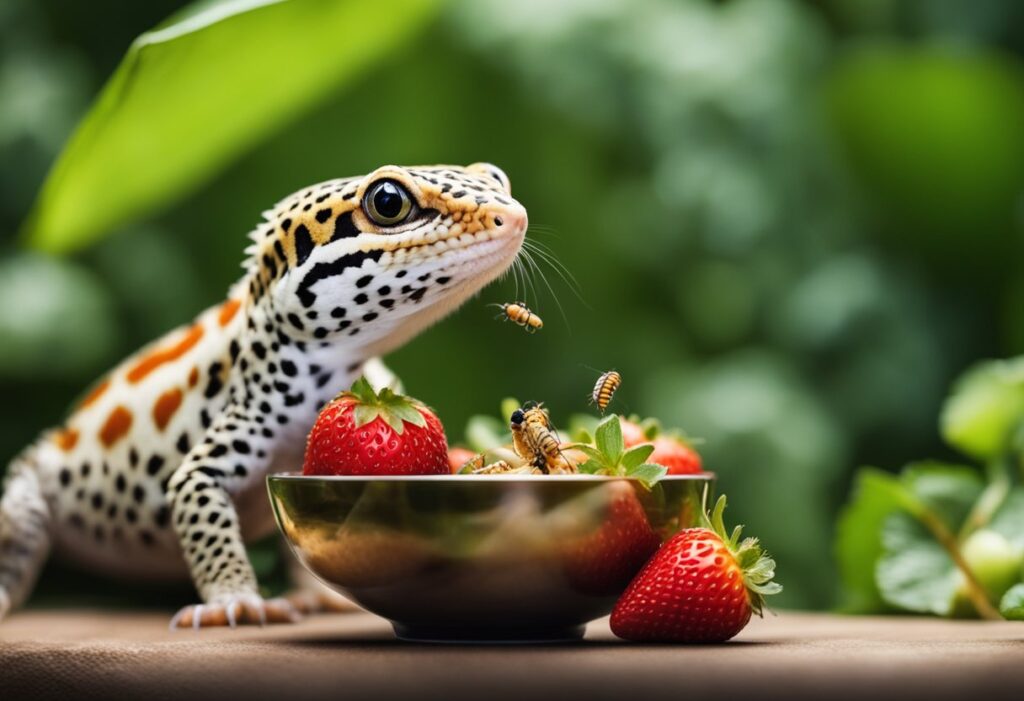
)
(792, 224)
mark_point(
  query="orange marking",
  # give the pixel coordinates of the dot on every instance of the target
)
(228, 311)
(193, 377)
(165, 406)
(117, 424)
(160, 356)
(95, 393)
(66, 438)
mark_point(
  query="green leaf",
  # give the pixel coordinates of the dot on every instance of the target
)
(582, 427)
(876, 494)
(198, 91)
(595, 455)
(1012, 605)
(648, 474)
(637, 455)
(985, 408)
(948, 490)
(915, 572)
(608, 437)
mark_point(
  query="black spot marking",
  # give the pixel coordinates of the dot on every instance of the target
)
(240, 446)
(384, 291)
(285, 225)
(120, 483)
(370, 316)
(418, 294)
(147, 538)
(183, 445)
(303, 243)
(322, 271)
(259, 349)
(163, 516)
(387, 303)
(234, 350)
(97, 501)
(323, 215)
(86, 469)
(424, 277)
(215, 385)
(154, 465)
(443, 280)
(295, 321)
(344, 227)
(401, 273)
(320, 332)
(294, 399)
(218, 451)
(204, 418)
(65, 476)
(133, 457)
(131, 515)
(360, 298)
(323, 380)
(138, 493)
(288, 368)
(364, 281)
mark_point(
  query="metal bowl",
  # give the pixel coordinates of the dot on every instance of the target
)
(496, 557)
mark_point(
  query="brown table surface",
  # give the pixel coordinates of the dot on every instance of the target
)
(92, 654)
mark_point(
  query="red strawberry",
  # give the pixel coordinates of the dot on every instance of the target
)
(632, 433)
(459, 456)
(676, 455)
(669, 450)
(701, 587)
(361, 432)
(602, 562)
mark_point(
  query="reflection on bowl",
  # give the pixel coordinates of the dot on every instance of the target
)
(497, 557)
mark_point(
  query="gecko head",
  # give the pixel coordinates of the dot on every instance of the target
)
(373, 260)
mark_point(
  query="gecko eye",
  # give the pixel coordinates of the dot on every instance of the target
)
(387, 203)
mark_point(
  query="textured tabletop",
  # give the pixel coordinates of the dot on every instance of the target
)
(82, 655)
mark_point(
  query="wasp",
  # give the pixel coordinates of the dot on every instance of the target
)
(519, 313)
(535, 441)
(605, 388)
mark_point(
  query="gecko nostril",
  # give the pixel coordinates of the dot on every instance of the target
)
(498, 221)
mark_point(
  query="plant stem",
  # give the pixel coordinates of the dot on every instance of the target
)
(975, 591)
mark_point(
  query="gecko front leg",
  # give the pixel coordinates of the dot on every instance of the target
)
(234, 453)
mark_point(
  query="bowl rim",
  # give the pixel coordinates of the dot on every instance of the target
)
(298, 477)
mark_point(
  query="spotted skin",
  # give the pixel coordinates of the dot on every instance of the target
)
(158, 472)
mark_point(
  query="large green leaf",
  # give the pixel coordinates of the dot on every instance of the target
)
(986, 406)
(201, 89)
(876, 494)
(915, 573)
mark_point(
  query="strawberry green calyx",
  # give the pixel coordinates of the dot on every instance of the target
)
(394, 409)
(757, 567)
(608, 455)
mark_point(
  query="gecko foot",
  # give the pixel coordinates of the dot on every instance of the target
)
(232, 609)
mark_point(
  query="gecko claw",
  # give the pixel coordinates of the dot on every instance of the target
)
(234, 609)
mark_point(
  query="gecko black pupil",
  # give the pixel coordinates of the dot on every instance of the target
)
(389, 200)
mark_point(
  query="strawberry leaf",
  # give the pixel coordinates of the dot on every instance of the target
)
(608, 438)
(647, 474)
(595, 455)
(636, 456)
(591, 467)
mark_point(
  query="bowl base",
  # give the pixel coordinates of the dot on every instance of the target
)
(488, 636)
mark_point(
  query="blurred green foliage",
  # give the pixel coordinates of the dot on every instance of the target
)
(792, 223)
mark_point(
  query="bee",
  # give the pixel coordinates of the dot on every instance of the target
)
(519, 313)
(535, 441)
(605, 388)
